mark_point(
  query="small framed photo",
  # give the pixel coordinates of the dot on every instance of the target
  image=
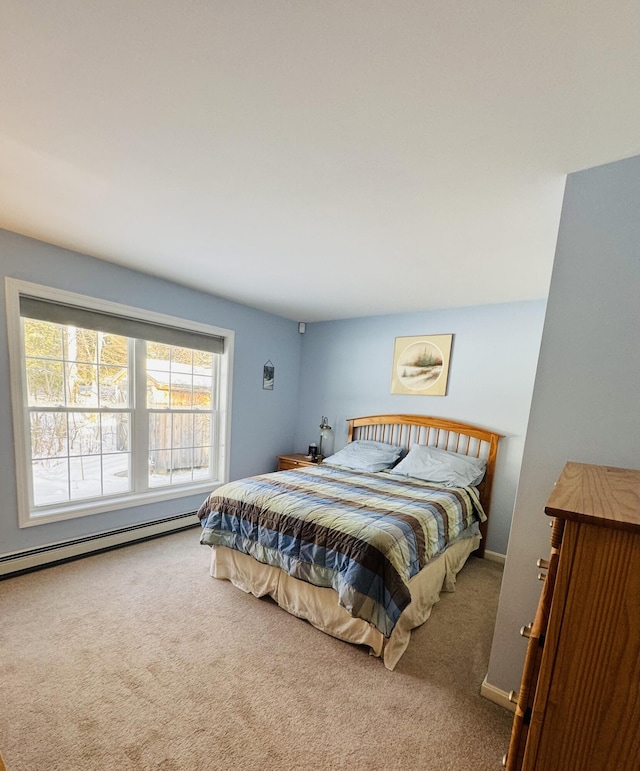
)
(268, 375)
(421, 365)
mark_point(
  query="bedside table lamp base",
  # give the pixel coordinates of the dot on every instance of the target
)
(325, 437)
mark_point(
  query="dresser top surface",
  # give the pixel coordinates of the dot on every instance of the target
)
(601, 495)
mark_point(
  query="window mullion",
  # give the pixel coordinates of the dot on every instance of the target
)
(140, 417)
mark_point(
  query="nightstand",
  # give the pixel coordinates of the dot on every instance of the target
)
(295, 460)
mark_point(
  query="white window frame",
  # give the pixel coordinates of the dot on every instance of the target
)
(27, 517)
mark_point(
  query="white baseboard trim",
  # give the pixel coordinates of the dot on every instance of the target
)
(30, 559)
(497, 695)
(495, 556)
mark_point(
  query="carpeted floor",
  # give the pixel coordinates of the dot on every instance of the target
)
(137, 659)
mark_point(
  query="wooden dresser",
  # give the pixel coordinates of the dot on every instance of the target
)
(578, 707)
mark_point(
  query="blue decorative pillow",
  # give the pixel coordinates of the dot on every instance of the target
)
(447, 468)
(365, 455)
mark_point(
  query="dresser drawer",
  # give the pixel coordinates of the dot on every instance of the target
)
(536, 633)
(294, 461)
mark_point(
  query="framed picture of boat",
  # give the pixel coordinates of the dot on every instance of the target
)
(421, 365)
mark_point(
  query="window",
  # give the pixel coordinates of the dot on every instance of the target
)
(113, 406)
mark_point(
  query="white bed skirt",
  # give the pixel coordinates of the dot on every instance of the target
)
(320, 606)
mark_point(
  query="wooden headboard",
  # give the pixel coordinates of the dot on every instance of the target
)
(451, 435)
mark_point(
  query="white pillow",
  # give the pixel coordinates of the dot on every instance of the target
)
(447, 468)
(365, 455)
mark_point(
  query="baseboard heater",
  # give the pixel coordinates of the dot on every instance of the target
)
(44, 556)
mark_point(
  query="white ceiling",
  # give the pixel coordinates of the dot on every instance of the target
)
(318, 159)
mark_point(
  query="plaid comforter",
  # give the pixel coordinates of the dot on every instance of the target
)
(364, 535)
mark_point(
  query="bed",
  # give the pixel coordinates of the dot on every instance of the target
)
(361, 545)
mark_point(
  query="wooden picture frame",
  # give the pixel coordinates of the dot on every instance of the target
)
(421, 365)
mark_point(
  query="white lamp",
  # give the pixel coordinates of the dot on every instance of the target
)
(325, 434)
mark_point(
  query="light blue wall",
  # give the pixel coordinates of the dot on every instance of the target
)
(263, 422)
(340, 369)
(586, 400)
(346, 372)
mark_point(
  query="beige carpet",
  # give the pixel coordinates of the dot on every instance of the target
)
(138, 659)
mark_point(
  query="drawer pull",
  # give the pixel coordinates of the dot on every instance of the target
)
(504, 760)
(513, 697)
(525, 631)
(542, 576)
(544, 564)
